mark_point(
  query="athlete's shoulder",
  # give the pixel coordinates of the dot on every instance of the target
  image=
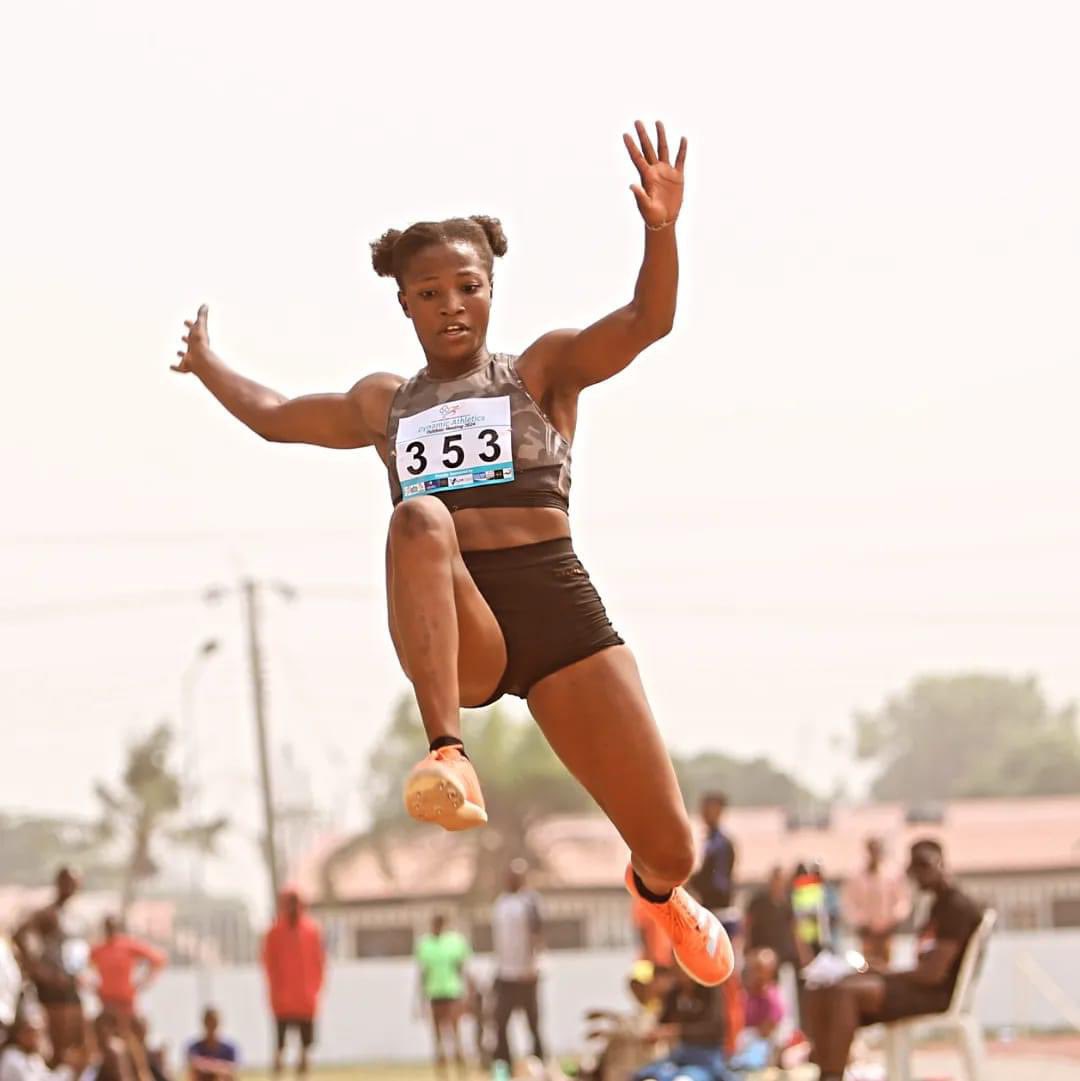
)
(370, 399)
(375, 391)
(377, 383)
(548, 346)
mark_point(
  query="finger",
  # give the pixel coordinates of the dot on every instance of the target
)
(177, 368)
(181, 353)
(203, 312)
(680, 161)
(661, 142)
(635, 156)
(640, 196)
(188, 323)
(646, 143)
(184, 340)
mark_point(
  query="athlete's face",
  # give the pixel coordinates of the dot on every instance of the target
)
(446, 292)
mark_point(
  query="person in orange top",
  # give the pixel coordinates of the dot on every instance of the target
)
(116, 959)
(293, 958)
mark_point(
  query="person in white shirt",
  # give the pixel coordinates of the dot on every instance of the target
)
(20, 1054)
(875, 903)
(517, 933)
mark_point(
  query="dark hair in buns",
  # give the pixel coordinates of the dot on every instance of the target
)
(390, 254)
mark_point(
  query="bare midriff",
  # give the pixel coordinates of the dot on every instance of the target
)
(486, 528)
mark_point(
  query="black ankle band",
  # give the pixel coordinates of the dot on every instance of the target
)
(647, 894)
(447, 741)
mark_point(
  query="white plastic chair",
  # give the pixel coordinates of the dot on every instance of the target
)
(957, 1021)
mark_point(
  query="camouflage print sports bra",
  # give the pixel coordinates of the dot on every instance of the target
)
(476, 441)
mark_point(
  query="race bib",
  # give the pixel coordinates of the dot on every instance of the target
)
(463, 444)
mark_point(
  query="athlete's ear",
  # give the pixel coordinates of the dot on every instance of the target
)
(404, 305)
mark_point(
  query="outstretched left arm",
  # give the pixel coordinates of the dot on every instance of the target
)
(569, 360)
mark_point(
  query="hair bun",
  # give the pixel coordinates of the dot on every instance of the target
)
(494, 231)
(382, 253)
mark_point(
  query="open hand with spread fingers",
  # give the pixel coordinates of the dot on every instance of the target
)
(660, 193)
(196, 343)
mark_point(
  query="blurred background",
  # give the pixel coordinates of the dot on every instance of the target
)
(834, 513)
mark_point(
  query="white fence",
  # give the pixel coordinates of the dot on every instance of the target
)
(369, 1011)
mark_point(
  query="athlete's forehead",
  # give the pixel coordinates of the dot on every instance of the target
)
(449, 259)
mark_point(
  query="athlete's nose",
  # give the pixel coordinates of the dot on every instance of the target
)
(453, 304)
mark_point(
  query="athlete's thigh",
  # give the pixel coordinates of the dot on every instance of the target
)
(481, 646)
(597, 719)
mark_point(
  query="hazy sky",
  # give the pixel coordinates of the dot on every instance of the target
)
(853, 460)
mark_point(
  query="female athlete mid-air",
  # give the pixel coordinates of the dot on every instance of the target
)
(485, 595)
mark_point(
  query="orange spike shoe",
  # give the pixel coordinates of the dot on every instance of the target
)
(443, 788)
(698, 939)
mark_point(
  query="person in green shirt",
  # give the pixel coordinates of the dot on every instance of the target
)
(442, 955)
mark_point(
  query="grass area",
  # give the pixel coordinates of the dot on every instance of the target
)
(363, 1073)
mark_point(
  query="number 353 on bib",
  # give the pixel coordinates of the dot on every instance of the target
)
(462, 444)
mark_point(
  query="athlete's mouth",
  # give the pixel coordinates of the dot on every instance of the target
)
(454, 330)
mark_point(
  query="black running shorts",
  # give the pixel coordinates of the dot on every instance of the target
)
(549, 611)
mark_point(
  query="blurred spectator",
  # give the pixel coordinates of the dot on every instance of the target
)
(477, 1008)
(810, 904)
(693, 1023)
(833, 1013)
(763, 1011)
(713, 883)
(11, 983)
(442, 955)
(770, 920)
(115, 1056)
(20, 1053)
(44, 944)
(648, 985)
(517, 932)
(875, 903)
(152, 1056)
(294, 960)
(115, 959)
(211, 1057)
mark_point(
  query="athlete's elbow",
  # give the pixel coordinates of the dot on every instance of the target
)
(650, 327)
(270, 426)
(268, 434)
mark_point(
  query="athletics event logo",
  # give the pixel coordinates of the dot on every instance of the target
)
(451, 416)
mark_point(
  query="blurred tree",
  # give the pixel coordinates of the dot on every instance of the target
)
(523, 782)
(970, 735)
(753, 782)
(34, 847)
(147, 808)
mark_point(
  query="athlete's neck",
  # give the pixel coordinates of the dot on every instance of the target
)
(455, 367)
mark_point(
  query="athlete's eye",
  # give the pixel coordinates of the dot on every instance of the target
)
(427, 294)
(472, 287)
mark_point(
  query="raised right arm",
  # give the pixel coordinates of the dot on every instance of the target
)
(344, 421)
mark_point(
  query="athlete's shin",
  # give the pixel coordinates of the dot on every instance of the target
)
(422, 547)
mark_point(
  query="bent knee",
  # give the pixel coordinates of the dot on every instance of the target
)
(419, 519)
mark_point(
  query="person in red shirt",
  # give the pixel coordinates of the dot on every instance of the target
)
(116, 959)
(293, 958)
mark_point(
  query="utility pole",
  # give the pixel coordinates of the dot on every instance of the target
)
(251, 612)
